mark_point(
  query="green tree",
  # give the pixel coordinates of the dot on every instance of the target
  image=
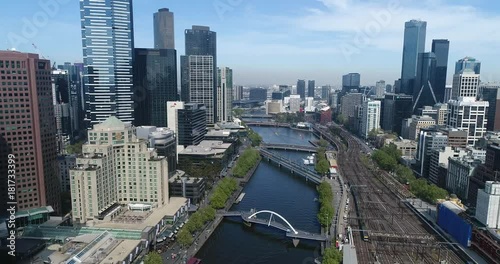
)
(153, 258)
(238, 112)
(373, 134)
(323, 143)
(325, 215)
(341, 119)
(332, 256)
(75, 148)
(255, 138)
(322, 166)
(246, 162)
(184, 238)
(218, 200)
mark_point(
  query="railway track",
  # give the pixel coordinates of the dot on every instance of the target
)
(395, 234)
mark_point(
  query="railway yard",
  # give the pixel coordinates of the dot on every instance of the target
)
(385, 230)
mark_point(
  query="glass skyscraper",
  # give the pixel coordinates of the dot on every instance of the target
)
(155, 78)
(301, 88)
(440, 48)
(468, 63)
(423, 91)
(414, 44)
(164, 29)
(200, 44)
(311, 84)
(108, 46)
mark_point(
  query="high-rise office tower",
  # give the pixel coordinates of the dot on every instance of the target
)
(380, 88)
(370, 117)
(28, 130)
(414, 44)
(468, 63)
(198, 84)
(325, 92)
(238, 92)
(191, 124)
(311, 84)
(465, 84)
(351, 81)
(108, 46)
(225, 94)
(258, 94)
(491, 93)
(163, 21)
(440, 48)
(155, 79)
(428, 140)
(62, 109)
(396, 108)
(470, 115)
(423, 89)
(201, 53)
(301, 88)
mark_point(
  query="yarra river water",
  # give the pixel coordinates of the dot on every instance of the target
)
(269, 189)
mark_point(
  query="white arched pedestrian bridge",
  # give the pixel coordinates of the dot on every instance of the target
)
(252, 217)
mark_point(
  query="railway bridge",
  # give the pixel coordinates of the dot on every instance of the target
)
(301, 148)
(295, 168)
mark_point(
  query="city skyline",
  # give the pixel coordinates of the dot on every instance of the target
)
(319, 53)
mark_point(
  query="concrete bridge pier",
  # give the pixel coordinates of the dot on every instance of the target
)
(295, 242)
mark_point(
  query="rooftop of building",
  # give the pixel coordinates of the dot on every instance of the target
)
(206, 147)
(468, 101)
(405, 143)
(91, 248)
(218, 133)
(138, 220)
(111, 124)
(187, 180)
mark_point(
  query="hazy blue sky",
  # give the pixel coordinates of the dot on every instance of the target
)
(280, 41)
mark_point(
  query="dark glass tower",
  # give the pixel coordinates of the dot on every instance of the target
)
(163, 23)
(468, 63)
(155, 82)
(200, 41)
(108, 46)
(414, 44)
(192, 124)
(423, 91)
(351, 81)
(301, 88)
(396, 108)
(440, 48)
(310, 88)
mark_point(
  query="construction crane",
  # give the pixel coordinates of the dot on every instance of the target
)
(38, 51)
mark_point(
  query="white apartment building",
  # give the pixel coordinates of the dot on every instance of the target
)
(370, 117)
(470, 115)
(465, 84)
(116, 168)
(488, 205)
(201, 83)
(225, 94)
